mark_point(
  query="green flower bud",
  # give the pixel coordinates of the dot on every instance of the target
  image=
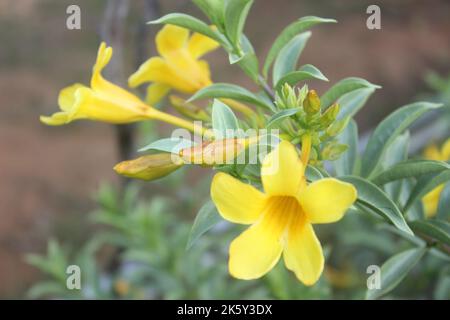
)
(329, 115)
(333, 151)
(311, 104)
(336, 127)
(189, 110)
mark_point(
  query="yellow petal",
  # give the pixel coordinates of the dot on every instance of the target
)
(56, 119)
(171, 38)
(236, 201)
(432, 152)
(199, 45)
(66, 98)
(156, 92)
(446, 151)
(303, 253)
(157, 70)
(282, 171)
(326, 200)
(431, 201)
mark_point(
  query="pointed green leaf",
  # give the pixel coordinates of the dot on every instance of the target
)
(287, 58)
(172, 145)
(281, 115)
(230, 91)
(207, 217)
(372, 197)
(223, 120)
(343, 87)
(388, 130)
(189, 22)
(345, 165)
(236, 12)
(306, 72)
(287, 34)
(435, 229)
(394, 270)
(350, 103)
(409, 169)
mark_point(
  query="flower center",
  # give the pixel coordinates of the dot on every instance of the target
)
(280, 212)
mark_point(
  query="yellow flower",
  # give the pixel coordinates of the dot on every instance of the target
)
(178, 67)
(103, 101)
(431, 199)
(281, 218)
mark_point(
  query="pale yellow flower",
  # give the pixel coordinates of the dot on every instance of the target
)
(281, 218)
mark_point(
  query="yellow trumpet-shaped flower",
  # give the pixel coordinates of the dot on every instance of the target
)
(103, 101)
(281, 218)
(431, 199)
(178, 67)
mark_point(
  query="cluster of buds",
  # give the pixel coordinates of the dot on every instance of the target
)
(322, 126)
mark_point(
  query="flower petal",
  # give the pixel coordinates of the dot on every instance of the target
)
(171, 38)
(256, 251)
(326, 200)
(66, 98)
(303, 252)
(199, 45)
(282, 171)
(157, 70)
(56, 119)
(236, 201)
(431, 201)
(156, 92)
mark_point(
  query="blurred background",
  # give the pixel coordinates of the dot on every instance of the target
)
(50, 177)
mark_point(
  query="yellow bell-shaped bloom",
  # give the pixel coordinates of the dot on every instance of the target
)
(178, 67)
(103, 101)
(431, 199)
(281, 218)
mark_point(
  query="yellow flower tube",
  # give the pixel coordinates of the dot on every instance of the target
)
(106, 102)
(281, 218)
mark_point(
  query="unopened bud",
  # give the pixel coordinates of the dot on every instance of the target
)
(214, 153)
(336, 127)
(188, 109)
(149, 167)
(329, 115)
(311, 104)
(333, 151)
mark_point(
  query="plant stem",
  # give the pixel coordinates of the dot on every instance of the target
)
(306, 148)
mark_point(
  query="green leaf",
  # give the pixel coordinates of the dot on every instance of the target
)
(395, 269)
(343, 87)
(207, 217)
(230, 91)
(287, 34)
(47, 289)
(345, 165)
(313, 174)
(306, 72)
(350, 103)
(397, 152)
(248, 62)
(435, 229)
(408, 169)
(443, 211)
(425, 185)
(236, 12)
(287, 58)
(213, 9)
(172, 145)
(277, 117)
(388, 130)
(189, 22)
(372, 197)
(223, 120)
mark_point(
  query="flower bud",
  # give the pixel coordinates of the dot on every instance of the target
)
(149, 167)
(188, 109)
(214, 153)
(336, 127)
(311, 104)
(329, 115)
(333, 151)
